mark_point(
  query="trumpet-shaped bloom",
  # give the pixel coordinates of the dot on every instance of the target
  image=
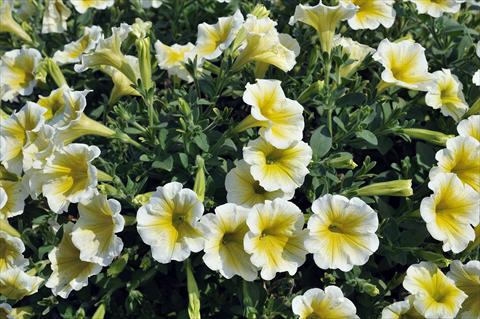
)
(14, 135)
(275, 238)
(328, 304)
(17, 68)
(405, 64)
(436, 295)
(278, 169)
(470, 127)
(73, 51)
(280, 118)
(436, 8)
(461, 157)
(401, 310)
(467, 278)
(122, 86)
(8, 24)
(38, 147)
(243, 189)
(94, 233)
(213, 39)
(172, 58)
(169, 223)
(16, 284)
(341, 232)
(224, 232)
(12, 199)
(83, 5)
(324, 19)
(371, 13)
(11, 252)
(356, 52)
(446, 94)
(69, 176)
(55, 17)
(450, 211)
(69, 272)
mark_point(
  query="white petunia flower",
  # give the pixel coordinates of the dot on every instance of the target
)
(12, 198)
(55, 17)
(11, 252)
(172, 58)
(371, 14)
(6, 311)
(467, 278)
(83, 5)
(73, 51)
(356, 52)
(470, 127)
(16, 284)
(401, 310)
(147, 4)
(436, 8)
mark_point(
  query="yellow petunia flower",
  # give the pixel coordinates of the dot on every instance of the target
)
(244, 190)
(405, 64)
(461, 157)
(224, 232)
(446, 94)
(11, 252)
(341, 232)
(467, 278)
(328, 304)
(275, 238)
(94, 233)
(69, 272)
(17, 68)
(470, 127)
(83, 5)
(8, 24)
(16, 284)
(12, 198)
(371, 14)
(169, 223)
(122, 86)
(451, 212)
(55, 17)
(278, 169)
(324, 19)
(356, 52)
(436, 8)
(435, 295)
(401, 310)
(172, 58)
(39, 146)
(72, 52)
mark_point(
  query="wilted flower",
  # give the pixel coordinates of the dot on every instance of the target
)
(69, 272)
(224, 232)
(446, 94)
(169, 223)
(275, 168)
(275, 238)
(324, 19)
(435, 295)
(371, 13)
(94, 232)
(436, 8)
(341, 232)
(55, 16)
(467, 278)
(83, 5)
(172, 58)
(470, 127)
(8, 24)
(12, 198)
(401, 310)
(16, 284)
(316, 303)
(450, 212)
(11, 252)
(17, 68)
(73, 51)
(405, 64)
(356, 52)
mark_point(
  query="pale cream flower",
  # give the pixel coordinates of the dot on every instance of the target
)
(341, 232)
(224, 232)
(69, 272)
(436, 8)
(405, 64)
(169, 223)
(147, 4)
(172, 58)
(11, 252)
(275, 238)
(436, 295)
(328, 304)
(461, 157)
(451, 212)
(446, 94)
(83, 5)
(122, 86)
(55, 17)
(371, 14)
(94, 232)
(356, 52)
(470, 127)
(17, 68)
(243, 189)
(467, 278)
(38, 147)
(275, 168)
(401, 310)
(13, 198)
(6, 311)
(140, 28)
(73, 51)
(8, 24)
(16, 284)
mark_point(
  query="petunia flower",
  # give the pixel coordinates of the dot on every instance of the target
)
(94, 232)
(467, 278)
(451, 212)
(243, 189)
(11, 252)
(436, 8)
(69, 272)
(446, 94)
(435, 295)
(83, 5)
(405, 64)
(470, 127)
(38, 147)
(55, 17)
(16, 284)
(275, 238)
(169, 223)
(122, 86)
(13, 199)
(356, 52)
(6, 311)
(224, 232)
(8, 24)
(278, 169)
(371, 14)
(17, 68)
(147, 4)
(172, 59)
(461, 157)
(324, 19)
(328, 303)
(341, 232)
(72, 52)
(401, 310)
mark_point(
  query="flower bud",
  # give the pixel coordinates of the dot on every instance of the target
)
(433, 137)
(55, 72)
(312, 90)
(401, 188)
(142, 199)
(199, 186)
(342, 160)
(260, 11)
(144, 59)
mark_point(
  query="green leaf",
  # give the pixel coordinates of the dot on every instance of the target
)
(367, 136)
(100, 312)
(201, 141)
(165, 164)
(118, 266)
(320, 142)
(352, 99)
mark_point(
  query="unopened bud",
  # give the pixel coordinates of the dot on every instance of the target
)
(401, 188)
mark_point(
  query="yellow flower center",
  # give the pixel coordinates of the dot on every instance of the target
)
(258, 189)
(228, 238)
(334, 228)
